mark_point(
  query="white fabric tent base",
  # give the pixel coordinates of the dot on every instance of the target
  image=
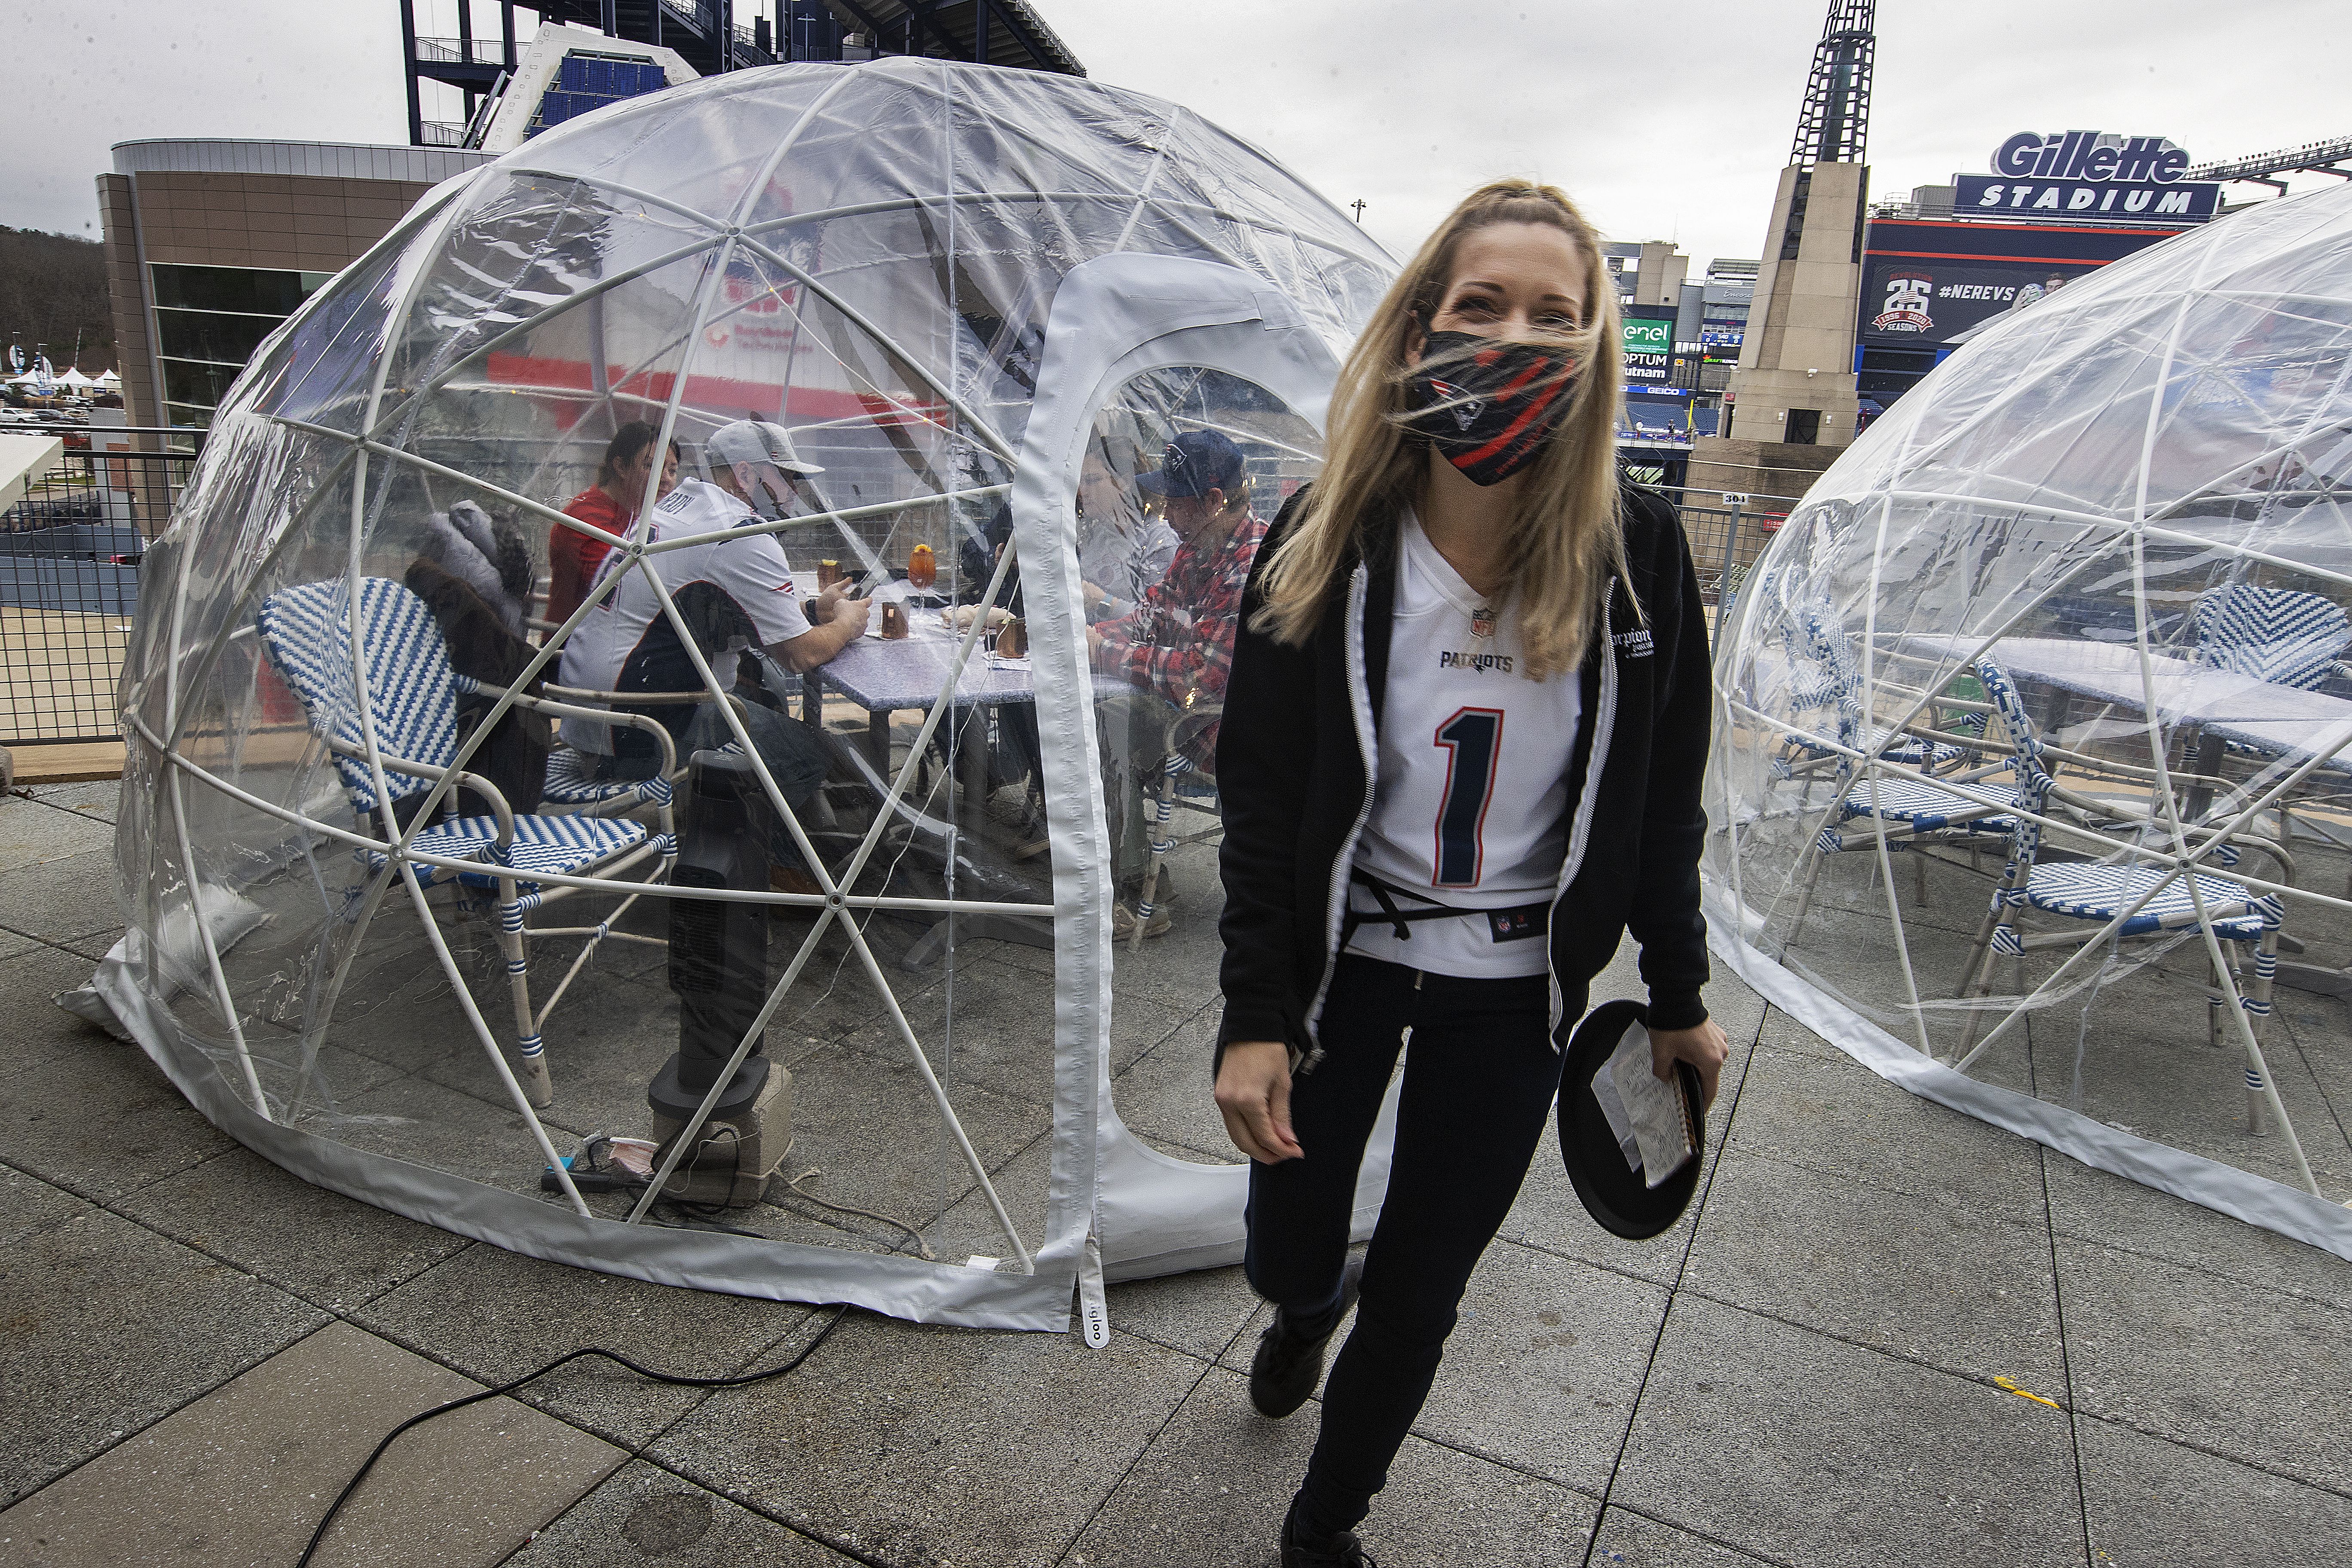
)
(2096, 1143)
(1155, 1216)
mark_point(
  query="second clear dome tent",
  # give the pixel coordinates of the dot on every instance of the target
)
(2029, 772)
(962, 292)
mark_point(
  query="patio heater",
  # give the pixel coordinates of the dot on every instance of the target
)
(718, 968)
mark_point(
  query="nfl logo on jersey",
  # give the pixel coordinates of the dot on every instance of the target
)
(1482, 621)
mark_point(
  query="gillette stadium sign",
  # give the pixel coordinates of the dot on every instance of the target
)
(2086, 176)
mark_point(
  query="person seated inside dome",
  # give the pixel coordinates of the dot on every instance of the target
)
(734, 591)
(611, 504)
(1122, 550)
(1177, 644)
(473, 571)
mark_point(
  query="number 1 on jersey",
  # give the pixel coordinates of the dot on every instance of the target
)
(1473, 738)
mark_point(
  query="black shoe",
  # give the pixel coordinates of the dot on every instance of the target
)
(1287, 1367)
(1342, 1551)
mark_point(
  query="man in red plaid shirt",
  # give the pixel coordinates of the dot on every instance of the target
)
(1178, 638)
(1178, 641)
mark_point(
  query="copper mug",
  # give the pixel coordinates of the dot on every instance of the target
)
(894, 620)
(1013, 639)
(828, 572)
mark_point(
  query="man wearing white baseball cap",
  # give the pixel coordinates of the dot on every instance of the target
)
(734, 590)
(750, 458)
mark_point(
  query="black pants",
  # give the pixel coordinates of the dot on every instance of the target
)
(794, 753)
(1478, 1083)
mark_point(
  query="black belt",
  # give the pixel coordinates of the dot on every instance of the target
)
(1514, 923)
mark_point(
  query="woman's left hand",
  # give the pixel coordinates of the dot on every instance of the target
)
(1702, 1047)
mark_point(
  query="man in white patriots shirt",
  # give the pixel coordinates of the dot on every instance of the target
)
(735, 593)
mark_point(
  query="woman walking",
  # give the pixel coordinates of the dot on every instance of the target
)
(1461, 755)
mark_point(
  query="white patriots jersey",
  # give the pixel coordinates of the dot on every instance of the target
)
(746, 574)
(1470, 800)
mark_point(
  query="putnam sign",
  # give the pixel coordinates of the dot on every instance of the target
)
(1649, 343)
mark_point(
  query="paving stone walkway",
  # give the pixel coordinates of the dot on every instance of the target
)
(1886, 1334)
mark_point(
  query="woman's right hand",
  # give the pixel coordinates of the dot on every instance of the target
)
(1253, 1096)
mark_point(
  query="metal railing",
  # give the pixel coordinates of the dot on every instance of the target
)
(70, 549)
(1728, 531)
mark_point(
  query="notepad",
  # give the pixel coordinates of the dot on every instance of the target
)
(1648, 1116)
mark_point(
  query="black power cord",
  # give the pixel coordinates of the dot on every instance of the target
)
(419, 1419)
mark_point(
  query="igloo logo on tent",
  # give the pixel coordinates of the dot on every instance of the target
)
(1905, 308)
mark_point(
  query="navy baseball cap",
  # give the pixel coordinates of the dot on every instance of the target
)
(1194, 463)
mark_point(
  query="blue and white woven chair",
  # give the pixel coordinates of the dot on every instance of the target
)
(2275, 635)
(574, 781)
(1917, 813)
(2092, 894)
(1917, 805)
(411, 707)
(573, 784)
(2286, 638)
(1834, 687)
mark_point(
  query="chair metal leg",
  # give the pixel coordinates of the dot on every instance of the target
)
(1970, 989)
(2257, 1002)
(1163, 814)
(1976, 948)
(2216, 992)
(530, 1052)
(1979, 976)
(1814, 856)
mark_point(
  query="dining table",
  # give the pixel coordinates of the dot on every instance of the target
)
(887, 676)
(2215, 707)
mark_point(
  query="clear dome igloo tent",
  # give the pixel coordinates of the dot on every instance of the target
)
(2032, 783)
(416, 913)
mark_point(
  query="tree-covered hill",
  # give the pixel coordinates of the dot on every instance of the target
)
(52, 286)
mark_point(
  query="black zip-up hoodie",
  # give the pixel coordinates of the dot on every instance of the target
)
(1295, 775)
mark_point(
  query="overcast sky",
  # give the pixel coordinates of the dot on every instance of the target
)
(1666, 120)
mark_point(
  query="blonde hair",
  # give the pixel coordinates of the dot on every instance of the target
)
(1565, 536)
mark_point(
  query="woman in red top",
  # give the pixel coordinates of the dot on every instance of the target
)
(611, 504)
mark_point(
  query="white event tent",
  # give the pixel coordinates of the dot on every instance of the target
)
(2032, 777)
(980, 303)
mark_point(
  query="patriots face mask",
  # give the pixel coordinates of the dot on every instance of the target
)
(1488, 403)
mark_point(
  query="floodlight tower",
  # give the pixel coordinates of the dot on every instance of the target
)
(1793, 395)
(1835, 121)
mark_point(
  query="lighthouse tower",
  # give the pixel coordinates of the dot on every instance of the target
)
(1793, 401)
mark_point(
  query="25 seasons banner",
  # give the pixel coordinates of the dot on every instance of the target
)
(1936, 304)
